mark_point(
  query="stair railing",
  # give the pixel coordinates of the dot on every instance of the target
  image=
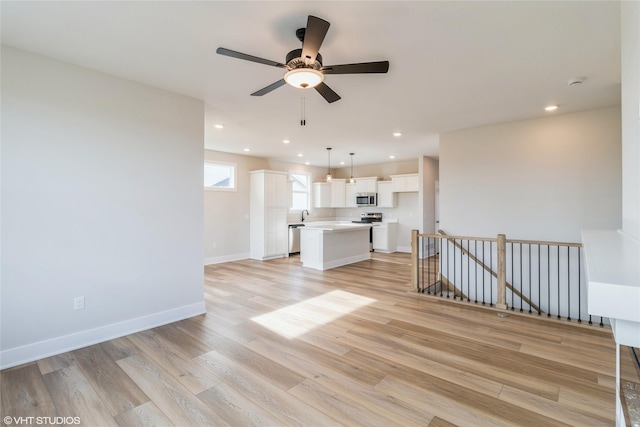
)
(505, 274)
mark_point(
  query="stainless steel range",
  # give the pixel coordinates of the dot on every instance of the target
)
(369, 218)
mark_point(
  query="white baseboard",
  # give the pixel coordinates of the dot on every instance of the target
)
(51, 347)
(225, 258)
(404, 249)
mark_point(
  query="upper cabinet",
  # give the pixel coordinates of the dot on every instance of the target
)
(367, 185)
(321, 195)
(329, 194)
(350, 195)
(386, 197)
(338, 193)
(405, 183)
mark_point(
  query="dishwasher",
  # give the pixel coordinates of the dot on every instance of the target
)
(294, 238)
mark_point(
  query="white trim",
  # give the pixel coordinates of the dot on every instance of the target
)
(225, 258)
(51, 347)
(404, 249)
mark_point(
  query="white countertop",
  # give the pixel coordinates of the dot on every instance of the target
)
(334, 226)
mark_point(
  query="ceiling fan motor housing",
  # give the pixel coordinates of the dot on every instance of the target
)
(294, 60)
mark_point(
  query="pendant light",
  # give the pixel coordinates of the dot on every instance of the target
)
(352, 180)
(329, 164)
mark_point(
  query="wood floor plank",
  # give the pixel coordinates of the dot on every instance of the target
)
(337, 406)
(24, 393)
(56, 362)
(110, 382)
(555, 410)
(145, 415)
(73, 396)
(191, 373)
(264, 393)
(175, 401)
(279, 374)
(236, 409)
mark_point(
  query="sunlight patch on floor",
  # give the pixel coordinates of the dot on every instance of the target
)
(297, 319)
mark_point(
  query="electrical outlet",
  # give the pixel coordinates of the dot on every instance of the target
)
(214, 245)
(78, 303)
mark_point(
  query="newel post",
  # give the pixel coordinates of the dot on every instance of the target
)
(415, 253)
(502, 272)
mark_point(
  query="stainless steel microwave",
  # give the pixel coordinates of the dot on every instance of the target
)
(366, 199)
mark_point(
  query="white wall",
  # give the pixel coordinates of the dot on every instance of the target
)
(630, 46)
(429, 170)
(101, 198)
(543, 179)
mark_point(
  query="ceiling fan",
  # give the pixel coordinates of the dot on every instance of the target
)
(304, 66)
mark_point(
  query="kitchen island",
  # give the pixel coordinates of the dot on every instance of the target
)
(329, 245)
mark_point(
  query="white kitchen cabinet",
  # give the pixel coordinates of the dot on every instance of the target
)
(338, 193)
(386, 197)
(268, 215)
(406, 183)
(367, 184)
(350, 195)
(385, 237)
(321, 195)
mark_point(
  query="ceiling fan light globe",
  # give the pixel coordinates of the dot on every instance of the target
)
(304, 78)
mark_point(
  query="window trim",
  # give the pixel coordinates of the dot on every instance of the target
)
(308, 192)
(235, 175)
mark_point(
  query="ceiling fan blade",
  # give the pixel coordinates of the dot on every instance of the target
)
(363, 67)
(313, 37)
(239, 55)
(269, 88)
(327, 93)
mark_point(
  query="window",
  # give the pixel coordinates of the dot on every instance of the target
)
(220, 176)
(300, 190)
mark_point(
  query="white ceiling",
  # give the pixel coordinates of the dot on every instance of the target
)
(453, 65)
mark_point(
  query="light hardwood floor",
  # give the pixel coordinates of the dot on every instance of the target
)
(284, 345)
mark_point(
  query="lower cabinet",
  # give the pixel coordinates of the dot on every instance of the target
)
(385, 237)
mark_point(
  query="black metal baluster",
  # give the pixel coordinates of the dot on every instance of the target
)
(569, 283)
(421, 240)
(468, 270)
(475, 243)
(454, 272)
(521, 281)
(439, 266)
(448, 264)
(483, 273)
(530, 294)
(579, 289)
(491, 275)
(601, 323)
(539, 283)
(548, 281)
(512, 281)
(558, 281)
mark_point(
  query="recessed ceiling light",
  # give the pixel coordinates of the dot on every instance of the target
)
(285, 141)
(551, 107)
(392, 156)
(300, 154)
(342, 163)
(218, 126)
(246, 149)
(397, 134)
(307, 163)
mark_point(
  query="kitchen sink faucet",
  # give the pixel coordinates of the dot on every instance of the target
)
(303, 214)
